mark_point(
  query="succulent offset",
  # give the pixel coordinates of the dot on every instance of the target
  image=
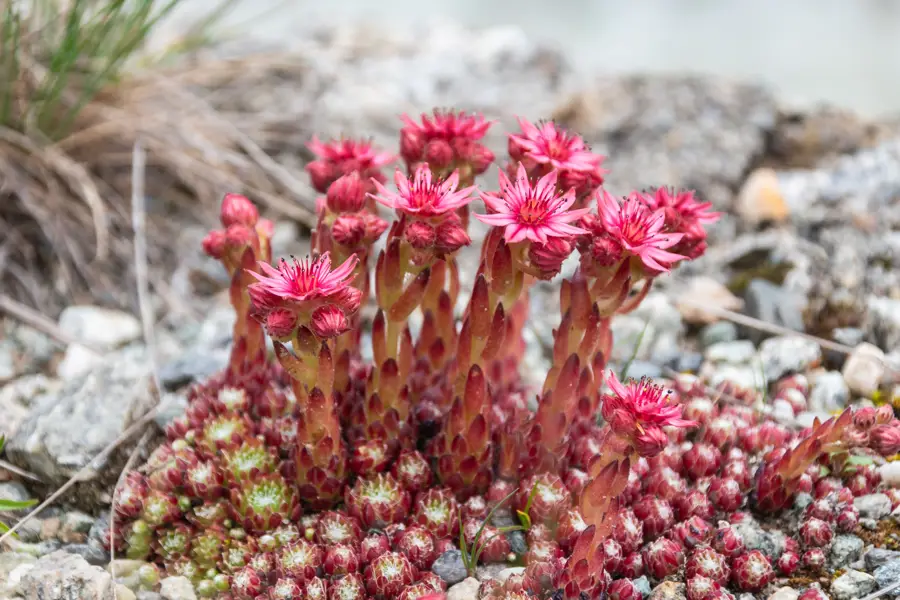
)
(318, 473)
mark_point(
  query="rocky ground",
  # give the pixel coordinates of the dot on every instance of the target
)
(810, 241)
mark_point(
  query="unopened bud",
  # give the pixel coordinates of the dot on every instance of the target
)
(238, 210)
(549, 257)
(328, 322)
(239, 236)
(451, 236)
(348, 230)
(438, 154)
(411, 145)
(321, 174)
(347, 194)
(214, 244)
(480, 158)
(884, 414)
(605, 251)
(514, 150)
(885, 439)
(650, 442)
(281, 323)
(348, 299)
(375, 226)
(864, 418)
(420, 235)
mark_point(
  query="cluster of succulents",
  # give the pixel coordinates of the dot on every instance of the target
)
(323, 474)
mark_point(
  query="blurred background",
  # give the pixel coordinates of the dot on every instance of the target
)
(808, 51)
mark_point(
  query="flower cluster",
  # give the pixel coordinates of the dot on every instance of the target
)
(337, 473)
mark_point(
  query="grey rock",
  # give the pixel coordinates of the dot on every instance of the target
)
(92, 553)
(65, 429)
(656, 325)
(829, 392)
(8, 369)
(688, 362)
(14, 491)
(845, 549)
(773, 304)
(787, 354)
(643, 585)
(802, 500)
(177, 588)
(517, 543)
(16, 398)
(75, 526)
(878, 557)
(669, 590)
(65, 576)
(723, 331)
(882, 322)
(873, 506)
(145, 595)
(466, 589)
(738, 352)
(13, 565)
(852, 584)
(771, 543)
(196, 364)
(888, 574)
(449, 567)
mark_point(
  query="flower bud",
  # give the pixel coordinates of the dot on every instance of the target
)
(347, 194)
(281, 323)
(214, 244)
(438, 154)
(348, 230)
(411, 145)
(238, 237)
(884, 414)
(885, 439)
(329, 321)
(420, 235)
(605, 251)
(321, 174)
(549, 257)
(650, 442)
(238, 210)
(451, 236)
(864, 418)
(375, 226)
(480, 158)
(348, 300)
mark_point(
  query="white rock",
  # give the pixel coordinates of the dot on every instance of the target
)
(467, 589)
(864, 369)
(785, 593)
(783, 412)
(77, 360)
(98, 326)
(507, 573)
(873, 506)
(852, 584)
(890, 474)
(177, 588)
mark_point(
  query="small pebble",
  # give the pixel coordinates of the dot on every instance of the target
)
(467, 589)
(723, 331)
(890, 474)
(873, 506)
(852, 584)
(177, 588)
(784, 593)
(864, 369)
(761, 199)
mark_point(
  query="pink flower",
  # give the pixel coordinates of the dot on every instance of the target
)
(307, 282)
(447, 140)
(534, 213)
(554, 146)
(638, 230)
(633, 409)
(448, 125)
(423, 195)
(341, 157)
(683, 215)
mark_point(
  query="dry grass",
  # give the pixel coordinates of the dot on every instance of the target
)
(69, 118)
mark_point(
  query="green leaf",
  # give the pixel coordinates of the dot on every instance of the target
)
(13, 505)
(524, 519)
